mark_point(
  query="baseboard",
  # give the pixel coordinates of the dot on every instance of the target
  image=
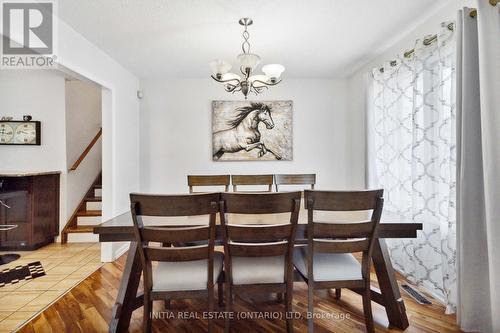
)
(121, 250)
(424, 287)
(79, 238)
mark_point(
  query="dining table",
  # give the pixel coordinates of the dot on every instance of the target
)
(120, 229)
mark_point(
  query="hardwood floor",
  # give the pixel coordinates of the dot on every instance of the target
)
(87, 308)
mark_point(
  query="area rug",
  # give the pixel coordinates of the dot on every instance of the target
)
(21, 273)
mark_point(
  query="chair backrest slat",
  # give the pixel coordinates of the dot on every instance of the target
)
(340, 246)
(175, 205)
(259, 203)
(258, 250)
(171, 235)
(343, 200)
(258, 232)
(237, 180)
(295, 179)
(353, 230)
(208, 180)
(187, 253)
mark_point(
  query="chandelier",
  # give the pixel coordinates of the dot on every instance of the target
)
(247, 82)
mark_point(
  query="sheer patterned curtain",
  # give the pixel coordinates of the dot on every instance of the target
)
(412, 136)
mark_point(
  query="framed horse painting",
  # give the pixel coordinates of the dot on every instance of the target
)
(252, 131)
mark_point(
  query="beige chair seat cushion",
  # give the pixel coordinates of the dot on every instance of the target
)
(328, 266)
(185, 275)
(251, 270)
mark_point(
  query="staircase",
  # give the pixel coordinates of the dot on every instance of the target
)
(88, 213)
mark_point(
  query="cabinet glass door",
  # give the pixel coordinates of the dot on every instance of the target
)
(14, 211)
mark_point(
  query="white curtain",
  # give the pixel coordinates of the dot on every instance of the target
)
(478, 177)
(411, 117)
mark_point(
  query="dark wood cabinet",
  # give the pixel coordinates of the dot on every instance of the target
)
(31, 203)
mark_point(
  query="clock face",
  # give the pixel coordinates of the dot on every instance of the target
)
(25, 133)
(6, 133)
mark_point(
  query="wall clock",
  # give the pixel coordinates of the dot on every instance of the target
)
(20, 132)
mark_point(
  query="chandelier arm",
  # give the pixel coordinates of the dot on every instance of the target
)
(260, 89)
(237, 89)
(267, 84)
(256, 90)
(225, 81)
(232, 88)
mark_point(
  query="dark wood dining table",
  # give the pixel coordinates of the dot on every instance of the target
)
(120, 229)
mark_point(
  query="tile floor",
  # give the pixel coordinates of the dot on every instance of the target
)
(65, 266)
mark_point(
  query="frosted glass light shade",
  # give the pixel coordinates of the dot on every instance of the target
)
(220, 67)
(249, 60)
(231, 76)
(274, 71)
(262, 78)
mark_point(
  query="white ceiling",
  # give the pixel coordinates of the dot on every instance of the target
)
(178, 38)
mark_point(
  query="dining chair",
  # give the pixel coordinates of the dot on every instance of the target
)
(327, 261)
(182, 271)
(208, 180)
(295, 179)
(243, 180)
(259, 257)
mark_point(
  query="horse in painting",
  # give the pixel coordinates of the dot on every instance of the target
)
(243, 133)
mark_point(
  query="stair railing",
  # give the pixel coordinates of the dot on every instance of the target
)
(86, 151)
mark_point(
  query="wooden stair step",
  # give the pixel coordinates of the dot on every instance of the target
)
(81, 229)
(89, 213)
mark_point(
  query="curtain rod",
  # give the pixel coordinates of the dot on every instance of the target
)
(473, 12)
(429, 40)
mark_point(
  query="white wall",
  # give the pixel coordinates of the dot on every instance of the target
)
(83, 116)
(355, 84)
(83, 121)
(176, 132)
(120, 141)
(120, 113)
(39, 94)
(120, 134)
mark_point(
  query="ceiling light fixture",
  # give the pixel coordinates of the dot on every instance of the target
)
(248, 63)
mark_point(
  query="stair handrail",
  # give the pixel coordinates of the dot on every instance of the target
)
(86, 151)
